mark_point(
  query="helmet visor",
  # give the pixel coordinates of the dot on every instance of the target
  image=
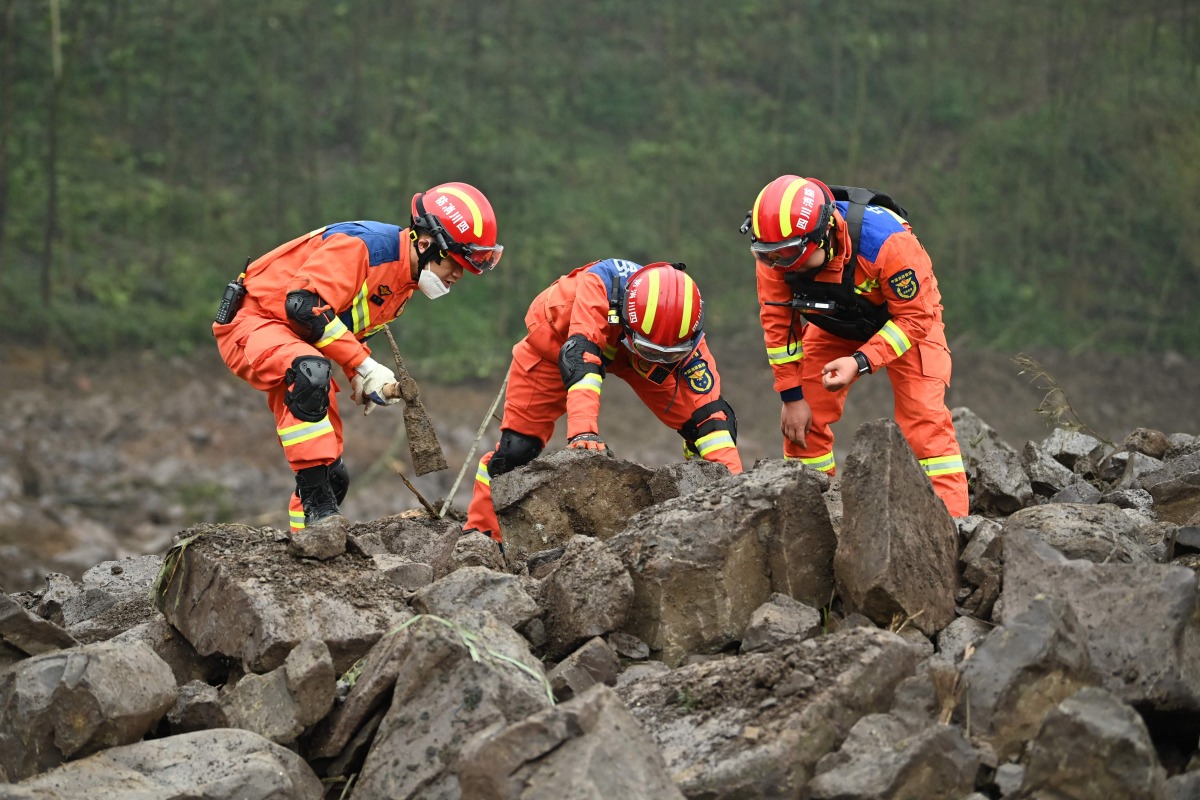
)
(659, 354)
(479, 258)
(782, 255)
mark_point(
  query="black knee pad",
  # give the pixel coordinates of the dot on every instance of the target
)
(571, 363)
(308, 382)
(302, 315)
(515, 450)
(339, 479)
(703, 422)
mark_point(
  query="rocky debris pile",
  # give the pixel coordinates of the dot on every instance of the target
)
(775, 634)
(98, 473)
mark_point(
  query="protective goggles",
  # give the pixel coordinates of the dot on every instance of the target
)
(478, 256)
(658, 354)
(785, 254)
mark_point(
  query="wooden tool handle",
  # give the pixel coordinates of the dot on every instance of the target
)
(405, 389)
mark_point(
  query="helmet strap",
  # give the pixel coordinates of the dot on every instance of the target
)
(828, 241)
(433, 226)
(430, 253)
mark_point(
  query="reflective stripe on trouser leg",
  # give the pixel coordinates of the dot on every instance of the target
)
(306, 444)
(821, 463)
(303, 432)
(481, 514)
(819, 349)
(717, 440)
(927, 424)
(949, 478)
(942, 465)
(295, 513)
(533, 400)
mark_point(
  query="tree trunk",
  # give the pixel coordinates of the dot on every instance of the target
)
(8, 46)
(172, 150)
(51, 229)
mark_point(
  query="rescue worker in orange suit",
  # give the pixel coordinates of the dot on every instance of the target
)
(891, 317)
(311, 303)
(643, 324)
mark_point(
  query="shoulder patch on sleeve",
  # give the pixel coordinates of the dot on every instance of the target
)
(699, 377)
(904, 283)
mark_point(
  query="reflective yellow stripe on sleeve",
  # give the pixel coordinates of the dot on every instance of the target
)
(781, 355)
(295, 434)
(296, 519)
(590, 382)
(895, 337)
(942, 465)
(333, 332)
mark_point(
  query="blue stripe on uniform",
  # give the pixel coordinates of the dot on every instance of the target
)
(382, 239)
(878, 225)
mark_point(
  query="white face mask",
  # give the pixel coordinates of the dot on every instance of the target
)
(431, 285)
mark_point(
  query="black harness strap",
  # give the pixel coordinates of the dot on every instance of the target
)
(858, 198)
(614, 300)
(855, 318)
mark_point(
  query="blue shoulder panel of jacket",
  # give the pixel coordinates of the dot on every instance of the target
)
(614, 266)
(878, 225)
(381, 238)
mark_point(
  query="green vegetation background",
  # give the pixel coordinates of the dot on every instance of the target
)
(1048, 153)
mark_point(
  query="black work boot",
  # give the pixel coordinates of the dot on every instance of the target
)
(316, 495)
(324, 533)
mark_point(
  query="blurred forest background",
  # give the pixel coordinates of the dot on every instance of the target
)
(1048, 153)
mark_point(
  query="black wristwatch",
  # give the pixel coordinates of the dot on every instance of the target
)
(864, 366)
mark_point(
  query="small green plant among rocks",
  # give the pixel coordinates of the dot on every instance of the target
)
(1055, 407)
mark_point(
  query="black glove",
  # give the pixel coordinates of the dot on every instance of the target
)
(587, 441)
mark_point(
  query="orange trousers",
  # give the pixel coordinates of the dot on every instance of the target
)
(260, 350)
(919, 379)
(534, 400)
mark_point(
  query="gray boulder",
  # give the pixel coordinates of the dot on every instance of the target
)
(1092, 745)
(235, 591)
(756, 725)
(214, 765)
(455, 679)
(897, 551)
(71, 703)
(1126, 611)
(702, 564)
(588, 747)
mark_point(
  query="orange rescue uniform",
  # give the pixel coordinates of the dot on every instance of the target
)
(579, 303)
(362, 271)
(893, 269)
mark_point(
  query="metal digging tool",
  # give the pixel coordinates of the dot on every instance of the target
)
(423, 443)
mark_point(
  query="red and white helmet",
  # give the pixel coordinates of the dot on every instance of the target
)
(461, 219)
(791, 218)
(663, 314)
